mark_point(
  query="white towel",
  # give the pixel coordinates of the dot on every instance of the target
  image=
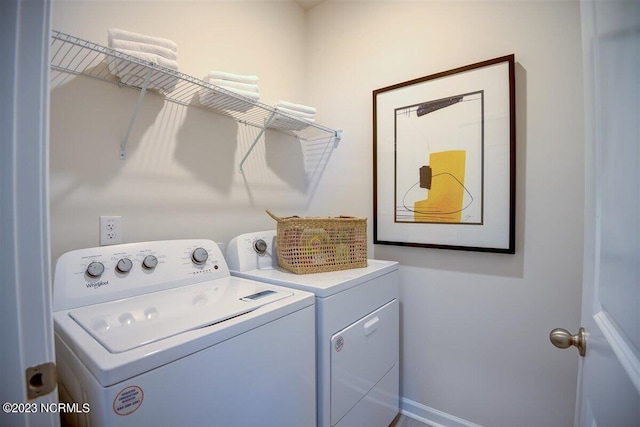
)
(116, 33)
(240, 78)
(296, 107)
(133, 74)
(161, 82)
(285, 123)
(300, 114)
(251, 95)
(120, 67)
(143, 47)
(249, 87)
(222, 101)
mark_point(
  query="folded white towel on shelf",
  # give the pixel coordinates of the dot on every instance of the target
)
(224, 102)
(296, 107)
(116, 33)
(300, 114)
(253, 96)
(249, 87)
(239, 78)
(143, 47)
(149, 57)
(134, 74)
(285, 123)
(158, 81)
(304, 116)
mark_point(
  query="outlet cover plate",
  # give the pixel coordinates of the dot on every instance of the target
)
(110, 230)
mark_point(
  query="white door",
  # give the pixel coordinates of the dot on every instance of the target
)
(609, 379)
(27, 373)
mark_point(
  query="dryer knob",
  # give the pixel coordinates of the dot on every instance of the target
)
(260, 246)
(149, 262)
(124, 265)
(199, 256)
(95, 269)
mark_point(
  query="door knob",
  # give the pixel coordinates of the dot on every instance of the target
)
(562, 338)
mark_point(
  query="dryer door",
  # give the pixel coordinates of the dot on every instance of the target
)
(361, 354)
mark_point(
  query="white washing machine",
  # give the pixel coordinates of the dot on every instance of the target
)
(160, 334)
(357, 330)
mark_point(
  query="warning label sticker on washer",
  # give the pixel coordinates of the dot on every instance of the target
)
(128, 400)
(339, 343)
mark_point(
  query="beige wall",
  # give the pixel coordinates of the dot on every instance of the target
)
(474, 325)
(180, 178)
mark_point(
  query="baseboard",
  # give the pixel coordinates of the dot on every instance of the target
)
(430, 416)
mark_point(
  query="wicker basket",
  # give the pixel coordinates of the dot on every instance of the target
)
(315, 245)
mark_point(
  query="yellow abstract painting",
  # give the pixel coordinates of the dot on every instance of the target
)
(445, 198)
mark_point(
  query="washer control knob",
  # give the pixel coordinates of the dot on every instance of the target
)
(149, 262)
(124, 265)
(95, 269)
(260, 246)
(199, 256)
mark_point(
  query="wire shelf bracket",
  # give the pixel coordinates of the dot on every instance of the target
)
(143, 90)
(337, 137)
(255, 141)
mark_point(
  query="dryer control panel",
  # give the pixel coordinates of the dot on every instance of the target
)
(253, 251)
(106, 273)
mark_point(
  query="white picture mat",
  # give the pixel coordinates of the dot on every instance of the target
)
(495, 231)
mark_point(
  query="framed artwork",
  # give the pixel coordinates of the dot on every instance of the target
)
(444, 160)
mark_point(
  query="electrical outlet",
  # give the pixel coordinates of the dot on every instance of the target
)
(110, 230)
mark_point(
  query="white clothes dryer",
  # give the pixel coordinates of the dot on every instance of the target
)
(357, 317)
(159, 333)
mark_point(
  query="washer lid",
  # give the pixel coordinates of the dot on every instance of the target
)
(126, 324)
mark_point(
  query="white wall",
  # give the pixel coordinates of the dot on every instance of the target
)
(474, 326)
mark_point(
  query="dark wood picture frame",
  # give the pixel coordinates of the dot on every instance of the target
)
(444, 156)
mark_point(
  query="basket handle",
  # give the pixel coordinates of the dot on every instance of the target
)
(274, 216)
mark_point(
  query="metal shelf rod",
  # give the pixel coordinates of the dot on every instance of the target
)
(255, 141)
(143, 90)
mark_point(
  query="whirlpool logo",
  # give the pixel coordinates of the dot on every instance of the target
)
(96, 285)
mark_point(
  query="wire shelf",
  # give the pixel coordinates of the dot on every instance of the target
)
(72, 55)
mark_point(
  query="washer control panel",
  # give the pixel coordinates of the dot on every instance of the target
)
(106, 273)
